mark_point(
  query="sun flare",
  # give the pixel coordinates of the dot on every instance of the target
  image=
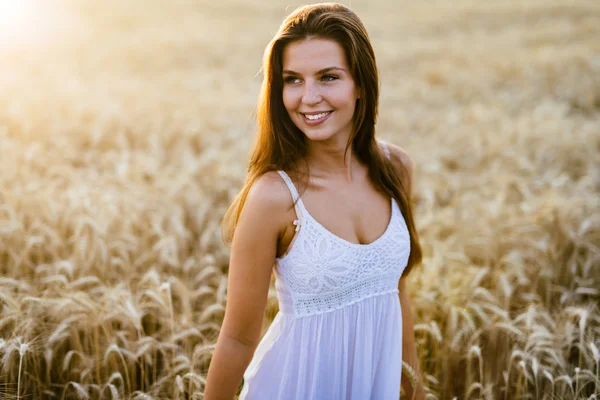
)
(13, 14)
(23, 22)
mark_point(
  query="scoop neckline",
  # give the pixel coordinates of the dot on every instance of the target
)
(360, 245)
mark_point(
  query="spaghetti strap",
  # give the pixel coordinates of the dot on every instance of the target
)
(295, 196)
(386, 150)
(289, 184)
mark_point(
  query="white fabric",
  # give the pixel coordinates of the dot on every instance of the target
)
(338, 332)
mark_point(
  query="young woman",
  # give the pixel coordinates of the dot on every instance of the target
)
(341, 246)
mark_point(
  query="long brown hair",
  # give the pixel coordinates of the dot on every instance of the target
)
(280, 144)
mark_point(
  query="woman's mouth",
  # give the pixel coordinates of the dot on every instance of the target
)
(316, 119)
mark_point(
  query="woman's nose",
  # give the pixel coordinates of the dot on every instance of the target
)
(311, 94)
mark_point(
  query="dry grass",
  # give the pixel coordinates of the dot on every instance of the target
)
(124, 128)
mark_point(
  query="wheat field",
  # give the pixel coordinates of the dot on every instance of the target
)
(125, 130)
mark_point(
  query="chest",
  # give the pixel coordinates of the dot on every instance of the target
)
(358, 218)
(319, 263)
(354, 219)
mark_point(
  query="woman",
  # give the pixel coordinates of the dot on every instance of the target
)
(341, 251)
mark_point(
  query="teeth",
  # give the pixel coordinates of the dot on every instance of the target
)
(313, 117)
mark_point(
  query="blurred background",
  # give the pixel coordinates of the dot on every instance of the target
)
(125, 131)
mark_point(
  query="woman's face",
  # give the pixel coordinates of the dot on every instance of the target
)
(319, 92)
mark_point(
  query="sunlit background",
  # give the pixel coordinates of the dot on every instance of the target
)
(125, 128)
(30, 25)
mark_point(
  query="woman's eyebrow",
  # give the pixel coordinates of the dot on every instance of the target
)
(322, 71)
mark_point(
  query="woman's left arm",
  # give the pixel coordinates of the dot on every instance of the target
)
(404, 165)
(409, 348)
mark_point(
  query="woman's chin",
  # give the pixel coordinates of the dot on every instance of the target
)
(319, 136)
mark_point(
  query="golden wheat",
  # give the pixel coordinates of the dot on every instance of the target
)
(124, 135)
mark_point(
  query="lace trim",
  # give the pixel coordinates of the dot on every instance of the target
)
(330, 310)
(330, 302)
(321, 272)
(336, 237)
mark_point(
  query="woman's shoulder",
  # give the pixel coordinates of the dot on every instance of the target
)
(269, 198)
(400, 156)
(401, 161)
(270, 188)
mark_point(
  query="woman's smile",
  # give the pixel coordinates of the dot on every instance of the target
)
(316, 119)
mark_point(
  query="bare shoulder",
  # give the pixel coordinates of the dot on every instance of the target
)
(268, 201)
(271, 188)
(400, 157)
(403, 163)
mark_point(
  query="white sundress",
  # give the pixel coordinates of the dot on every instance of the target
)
(338, 332)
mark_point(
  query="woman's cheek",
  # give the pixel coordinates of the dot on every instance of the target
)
(288, 98)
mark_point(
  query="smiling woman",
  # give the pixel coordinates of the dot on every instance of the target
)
(340, 247)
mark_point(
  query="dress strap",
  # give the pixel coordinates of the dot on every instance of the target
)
(297, 202)
(386, 150)
(289, 184)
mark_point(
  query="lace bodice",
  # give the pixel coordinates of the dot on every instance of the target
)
(322, 272)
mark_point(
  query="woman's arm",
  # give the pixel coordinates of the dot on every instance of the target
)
(409, 348)
(253, 252)
(404, 165)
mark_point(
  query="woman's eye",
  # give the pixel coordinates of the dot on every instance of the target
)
(324, 78)
(329, 78)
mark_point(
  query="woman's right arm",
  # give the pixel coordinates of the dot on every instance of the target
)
(253, 252)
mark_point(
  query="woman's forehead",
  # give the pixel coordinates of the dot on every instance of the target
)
(310, 56)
